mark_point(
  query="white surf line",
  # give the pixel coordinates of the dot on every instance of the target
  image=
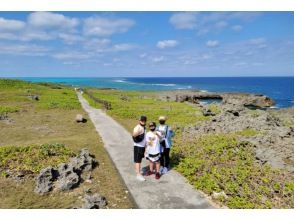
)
(170, 191)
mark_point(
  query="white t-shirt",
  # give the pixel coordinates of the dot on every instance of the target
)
(139, 129)
(152, 141)
(162, 129)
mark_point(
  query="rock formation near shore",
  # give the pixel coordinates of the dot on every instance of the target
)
(239, 99)
(273, 130)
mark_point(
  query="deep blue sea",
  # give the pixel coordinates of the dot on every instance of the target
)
(281, 89)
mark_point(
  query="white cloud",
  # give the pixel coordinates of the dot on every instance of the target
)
(11, 25)
(24, 49)
(206, 22)
(237, 28)
(212, 43)
(72, 55)
(99, 26)
(184, 20)
(51, 20)
(70, 38)
(221, 24)
(123, 47)
(166, 44)
(257, 41)
(143, 55)
(158, 59)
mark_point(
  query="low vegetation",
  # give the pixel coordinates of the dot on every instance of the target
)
(211, 163)
(32, 159)
(44, 133)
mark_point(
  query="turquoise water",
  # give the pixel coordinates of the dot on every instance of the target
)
(281, 89)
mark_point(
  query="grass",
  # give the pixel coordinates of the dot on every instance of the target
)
(129, 105)
(248, 132)
(211, 163)
(29, 143)
(32, 159)
(4, 110)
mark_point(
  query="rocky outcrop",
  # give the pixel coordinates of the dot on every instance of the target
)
(273, 141)
(45, 180)
(95, 201)
(241, 99)
(67, 176)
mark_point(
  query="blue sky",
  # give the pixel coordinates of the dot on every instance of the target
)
(146, 44)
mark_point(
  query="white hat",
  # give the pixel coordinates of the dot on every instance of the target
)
(163, 118)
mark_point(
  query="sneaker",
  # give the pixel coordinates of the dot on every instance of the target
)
(157, 176)
(164, 170)
(161, 169)
(140, 178)
(148, 173)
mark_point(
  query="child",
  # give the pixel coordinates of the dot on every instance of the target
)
(153, 150)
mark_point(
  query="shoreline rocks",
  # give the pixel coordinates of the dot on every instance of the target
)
(253, 101)
(272, 138)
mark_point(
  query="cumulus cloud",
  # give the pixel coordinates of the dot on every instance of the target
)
(11, 25)
(206, 22)
(166, 44)
(99, 26)
(212, 43)
(184, 20)
(51, 20)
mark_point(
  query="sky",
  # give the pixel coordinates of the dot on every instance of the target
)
(147, 44)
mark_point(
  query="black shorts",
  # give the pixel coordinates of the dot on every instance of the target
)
(139, 154)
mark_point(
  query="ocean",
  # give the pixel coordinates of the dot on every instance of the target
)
(281, 89)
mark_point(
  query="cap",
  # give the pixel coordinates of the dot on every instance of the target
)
(143, 118)
(162, 118)
(152, 124)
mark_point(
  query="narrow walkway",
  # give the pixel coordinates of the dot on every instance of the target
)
(170, 191)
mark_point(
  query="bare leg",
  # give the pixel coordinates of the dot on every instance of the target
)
(157, 164)
(151, 166)
(138, 168)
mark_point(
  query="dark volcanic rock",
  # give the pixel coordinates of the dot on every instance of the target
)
(45, 180)
(85, 161)
(67, 176)
(94, 202)
(67, 180)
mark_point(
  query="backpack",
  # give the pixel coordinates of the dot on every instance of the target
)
(139, 138)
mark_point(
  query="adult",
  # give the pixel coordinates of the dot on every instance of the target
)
(165, 143)
(139, 138)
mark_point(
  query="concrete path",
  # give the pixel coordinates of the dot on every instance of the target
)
(170, 191)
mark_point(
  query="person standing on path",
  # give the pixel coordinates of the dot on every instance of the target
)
(165, 144)
(139, 138)
(153, 150)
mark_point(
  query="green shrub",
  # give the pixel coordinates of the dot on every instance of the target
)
(33, 158)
